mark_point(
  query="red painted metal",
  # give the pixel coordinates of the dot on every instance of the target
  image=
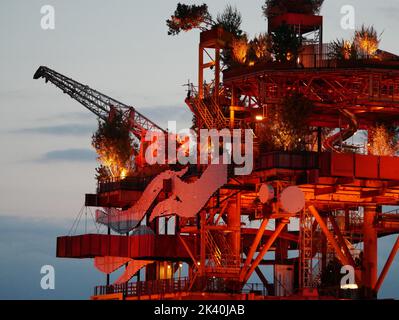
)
(142, 247)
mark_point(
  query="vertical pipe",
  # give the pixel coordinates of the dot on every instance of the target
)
(232, 118)
(217, 74)
(282, 246)
(201, 73)
(319, 138)
(234, 225)
(370, 258)
(232, 105)
(108, 233)
(324, 247)
(203, 242)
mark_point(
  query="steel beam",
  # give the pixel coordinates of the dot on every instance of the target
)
(342, 257)
(370, 255)
(387, 266)
(266, 248)
(254, 246)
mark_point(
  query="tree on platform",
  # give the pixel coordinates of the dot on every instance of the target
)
(115, 148)
(287, 128)
(383, 140)
(230, 20)
(188, 17)
(364, 45)
(273, 8)
(286, 44)
(366, 41)
(342, 50)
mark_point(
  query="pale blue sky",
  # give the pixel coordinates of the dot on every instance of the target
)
(121, 48)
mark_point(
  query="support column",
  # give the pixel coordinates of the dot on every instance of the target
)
(282, 246)
(201, 73)
(217, 74)
(203, 243)
(233, 103)
(234, 225)
(370, 257)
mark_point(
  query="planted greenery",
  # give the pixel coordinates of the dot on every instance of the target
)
(287, 128)
(273, 8)
(230, 20)
(364, 45)
(115, 148)
(188, 17)
(366, 41)
(286, 44)
(383, 140)
(342, 50)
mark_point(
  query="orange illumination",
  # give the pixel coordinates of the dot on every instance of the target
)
(259, 117)
(123, 174)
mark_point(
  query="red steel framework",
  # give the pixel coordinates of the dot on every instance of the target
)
(226, 246)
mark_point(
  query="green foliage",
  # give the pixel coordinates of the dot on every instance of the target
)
(342, 50)
(366, 41)
(230, 20)
(287, 128)
(383, 139)
(273, 8)
(188, 17)
(364, 45)
(286, 43)
(259, 48)
(115, 147)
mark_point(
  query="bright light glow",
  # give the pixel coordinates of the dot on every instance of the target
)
(123, 174)
(198, 263)
(259, 117)
(349, 287)
(181, 265)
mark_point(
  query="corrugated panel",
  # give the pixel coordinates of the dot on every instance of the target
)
(136, 247)
(104, 246)
(325, 164)
(86, 245)
(366, 167)
(95, 244)
(342, 165)
(61, 247)
(389, 168)
(284, 160)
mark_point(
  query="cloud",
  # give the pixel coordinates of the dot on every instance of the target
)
(162, 114)
(70, 116)
(69, 155)
(59, 130)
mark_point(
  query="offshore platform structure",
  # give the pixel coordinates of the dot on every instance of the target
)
(204, 233)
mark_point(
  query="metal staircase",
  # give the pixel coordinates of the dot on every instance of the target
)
(220, 257)
(207, 109)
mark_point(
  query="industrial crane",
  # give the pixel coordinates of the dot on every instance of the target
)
(103, 106)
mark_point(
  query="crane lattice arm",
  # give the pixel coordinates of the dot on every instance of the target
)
(98, 103)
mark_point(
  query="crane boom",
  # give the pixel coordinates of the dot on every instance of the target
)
(98, 103)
